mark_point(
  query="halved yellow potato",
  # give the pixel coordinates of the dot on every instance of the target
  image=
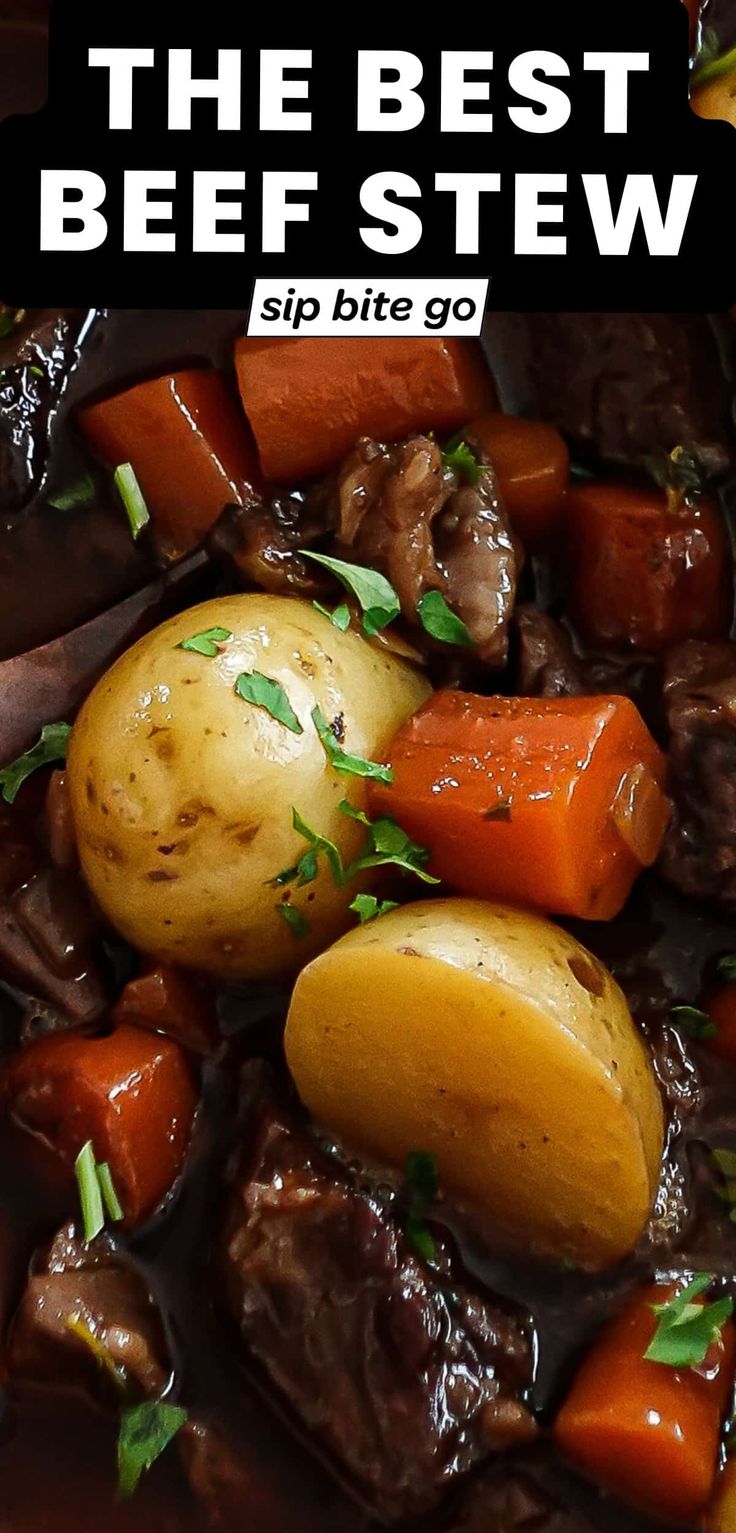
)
(492, 1038)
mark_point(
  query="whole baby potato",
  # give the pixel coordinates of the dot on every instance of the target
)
(491, 1038)
(182, 791)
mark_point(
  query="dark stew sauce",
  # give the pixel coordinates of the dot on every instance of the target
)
(337, 1372)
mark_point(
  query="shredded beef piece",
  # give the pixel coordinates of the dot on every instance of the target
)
(90, 1285)
(699, 853)
(548, 665)
(619, 385)
(35, 361)
(399, 511)
(259, 542)
(404, 1374)
(47, 929)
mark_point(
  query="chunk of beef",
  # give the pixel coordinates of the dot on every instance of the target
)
(548, 665)
(513, 1503)
(407, 1377)
(259, 542)
(400, 511)
(699, 852)
(619, 385)
(78, 1296)
(36, 357)
(47, 931)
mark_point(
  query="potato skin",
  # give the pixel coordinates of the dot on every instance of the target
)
(182, 793)
(494, 1039)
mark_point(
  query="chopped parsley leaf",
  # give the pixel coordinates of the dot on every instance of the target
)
(207, 643)
(294, 919)
(461, 460)
(340, 618)
(696, 1023)
(342, 761)
(686, 1331)
(51, 746)
(145, 1431)
(422, 1185)
(438, 620)
(726, 967)
(374, 593)
(368, 908)
(388, 844)
(263, 692)
(79, 494)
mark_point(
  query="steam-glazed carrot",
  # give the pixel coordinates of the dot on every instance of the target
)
(532, 464)
(189, 445)
(642, 572)
(308, 399)
(131, 1093)
(693, 13)
(649, 1430)
(167, 1001)
(554, 802)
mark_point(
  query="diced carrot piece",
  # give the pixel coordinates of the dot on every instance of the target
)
(532, 465)
(309, 399)
(552, 802)
(131, 1093)
(719, 1000)
(644, 574)
(693, 14)
(645, 1430)
(167, 1001)
(189, 445)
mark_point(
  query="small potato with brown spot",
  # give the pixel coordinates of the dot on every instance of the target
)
(182, 792)
(488, 1036)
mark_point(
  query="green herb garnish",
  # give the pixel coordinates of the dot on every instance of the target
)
(82, 492)
(9, 318)
(710, 63)
(696, 1023)
(686, 1331)
(422, 1185)
(376, 596)
(683, 474)
(340, 618)
(342, 761)
(296, 922)
(260, 690)
(131, 495)
(726, 967)
(438, 620)
(461, 460)
(368, 908)
(50, 747)
(388, 844)
(207, 643)
(90, 1192)
(145, 1431)
(110, 1198)
(96, 1192)
(723, 1163)
(305, 870)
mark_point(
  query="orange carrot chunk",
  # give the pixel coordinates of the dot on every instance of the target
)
(553, 802)
(308, 400)
(643, 573)
(532, 465)
(643, 1429)
(167, 1001)
(189, 446)
(131, 1093)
